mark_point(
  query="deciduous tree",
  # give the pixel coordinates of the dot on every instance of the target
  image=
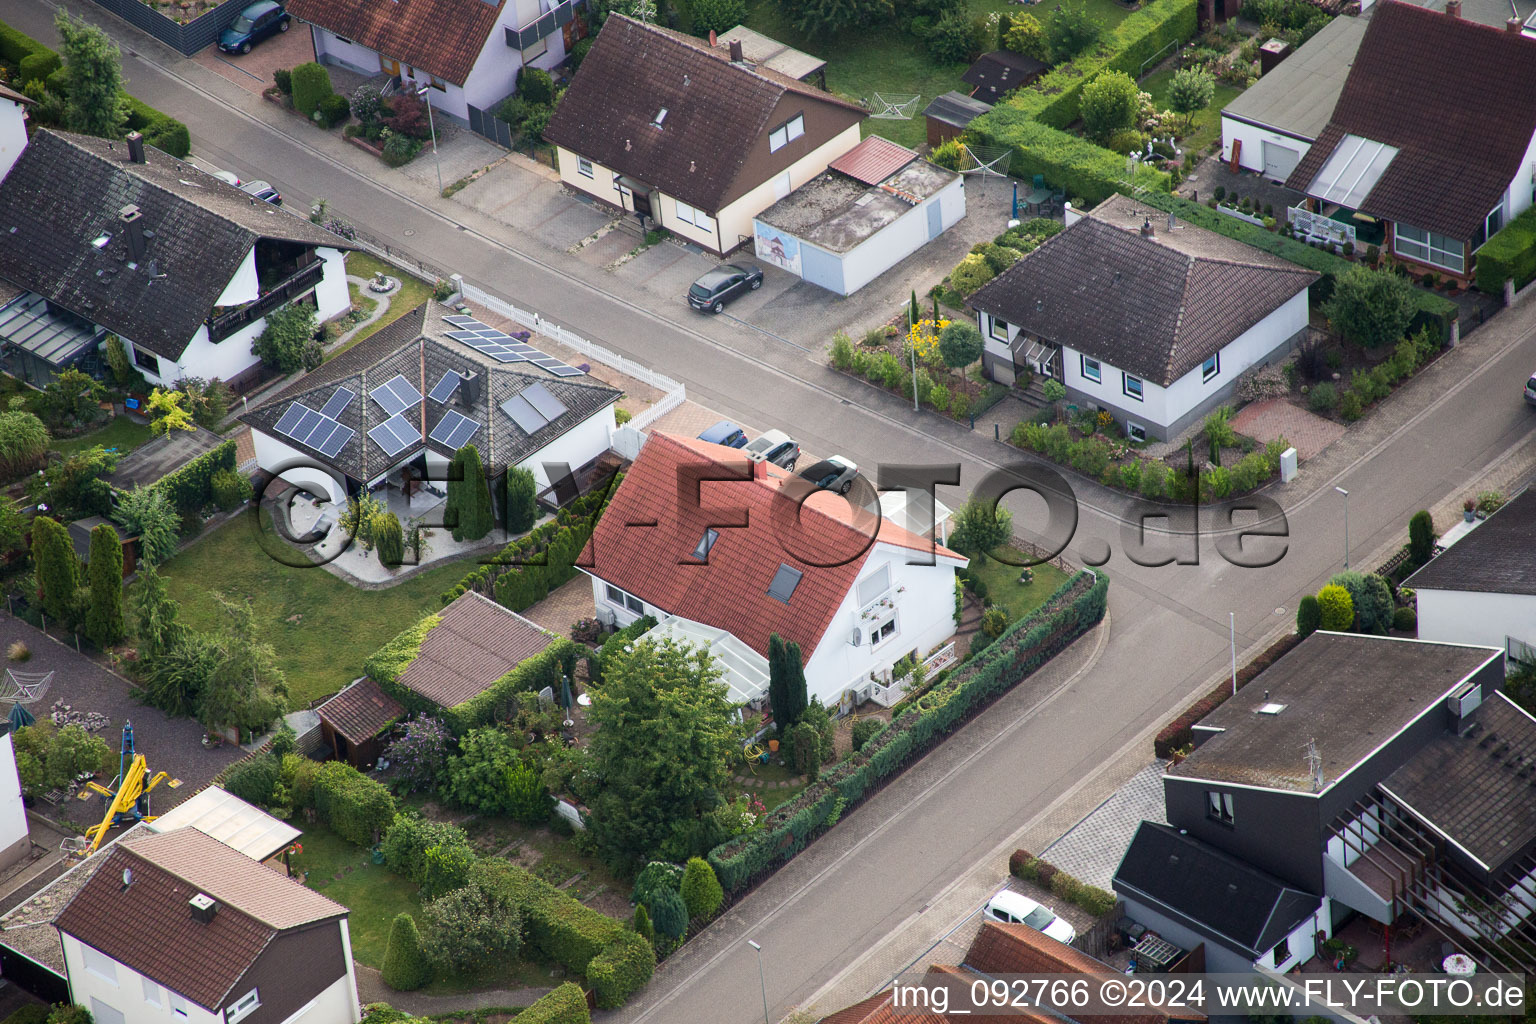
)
(168, 411)
(282, 342)
(980, 526)
(1370, 307)
(1109, 104)
(1190, 92)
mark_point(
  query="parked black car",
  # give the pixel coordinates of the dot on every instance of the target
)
(252, 25)
(723, 284)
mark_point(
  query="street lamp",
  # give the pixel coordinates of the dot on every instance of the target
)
(1346, 524)
(760, 979)
(422, 95)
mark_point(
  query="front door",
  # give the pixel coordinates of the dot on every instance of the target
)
(935, 221)
(389, 67)
(1043, 358)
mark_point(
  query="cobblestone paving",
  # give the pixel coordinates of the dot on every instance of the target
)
(1275, 418)
(1091, 849)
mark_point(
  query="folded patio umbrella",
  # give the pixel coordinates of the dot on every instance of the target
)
(20, 717)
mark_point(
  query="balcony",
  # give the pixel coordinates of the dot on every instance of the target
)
(936, 662)
(222, 325)
(545, 25)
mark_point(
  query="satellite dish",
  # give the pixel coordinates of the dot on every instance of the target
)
(127, 877)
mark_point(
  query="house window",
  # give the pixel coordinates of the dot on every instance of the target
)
(1135, 431)
(998, 329)
(786, 133)
(624, 599)
(151, 992)
(1428, 247)
(781, 186)
(104, 1013)
(881, 633)
(584, 167)
(1211, 367)
(243, 1007)
(659, 119)
(178, 1004)
(99, 964)
(1218, 807)
(438, 83)
(1132, 386)
(693, 215)
(146, 360)
(1092, 371)
(785, 580)
(706, 543)
(875, 584)
(538, 49)
(1281, 952)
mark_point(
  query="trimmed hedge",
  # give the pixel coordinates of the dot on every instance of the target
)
(1509, 255)
(1434, 311)
(16, 46)
(621, 970)
(1067, 161)
(356, 807)
(1029, 643)
(564, 1005)
(191, 487)
(1180, 732)
(555, 925)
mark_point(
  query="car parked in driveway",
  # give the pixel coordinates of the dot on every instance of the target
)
(258, 21)
(1016, 908)
(263, 191)
(776, 447)
(831, 474)
(1530, 390)
(727, 433)
(228, 178)
(725, 283)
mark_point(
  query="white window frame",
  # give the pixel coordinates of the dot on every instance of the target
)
(693, 215)
(1135, 431)
(584, 167)
(1092, 369)
(786, 133)
(624, 600)
(1431, 249)
(1211, 368)
(997, 329)
(99, 964)
(882, 577)
(877, 636)
(1125, 386)
(151, 992)
(1218, 807)
(178, 1004)
(243, 1007)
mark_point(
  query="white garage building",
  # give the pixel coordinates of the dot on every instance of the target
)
(870, 209)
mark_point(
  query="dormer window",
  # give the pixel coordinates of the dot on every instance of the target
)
(706, 542)
(661, 115)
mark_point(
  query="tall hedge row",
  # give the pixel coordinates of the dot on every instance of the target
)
(191, 486)
(357, 808)
(1029, 643)
(1066, 160)
(1509, 255)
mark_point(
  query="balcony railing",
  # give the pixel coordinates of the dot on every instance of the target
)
(544, 25)
(1314, 227)
(940, 659)
(297, 283)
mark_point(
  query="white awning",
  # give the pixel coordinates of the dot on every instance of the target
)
(742, 669)
(221, 815)
(1352, 171)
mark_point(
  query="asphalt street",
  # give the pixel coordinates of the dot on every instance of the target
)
(1169, 623)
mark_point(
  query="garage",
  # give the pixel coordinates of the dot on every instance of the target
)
(1279, 161)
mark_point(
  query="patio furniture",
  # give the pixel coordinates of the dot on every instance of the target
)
(1036, 197)
(1459, 965)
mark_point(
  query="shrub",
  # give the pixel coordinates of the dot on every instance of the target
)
(655, 876)
(1071, 31)
(471, 927)
(409, 838)
(75, 752)
(356, 807)
(1336, 610)
(477, 775)
(1096, 901)
(1421, 537)
(971, 273)
(1509, 255)
(842, 350)
(230, 489)
(1370, 307)
(1405, 620)
(952, 39)
(669, 914)
(405, 966)
(522, 506)
(949, 154)
(623, 968)
(1308, 616)
(863, 729)
(18, 651)
(311, 84)
(1371, 597)
(32, 1013)
(564, 1005)
(447, 867)
(333, 110)
(701, 890)
(399, 150)
(1026, 36)
(1109, 104)
(994, 621)
(1350, 406)
(641, 923)
(283, 79)
(805, 752)
(389, 539)
(254, 779)
(536, 87)
(1323, 397)
(527, 800)
(1017, 861)
(37, 66)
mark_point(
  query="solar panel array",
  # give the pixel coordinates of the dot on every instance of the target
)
(396, 395)
(504, 348)
(318, 431)
(533, 408)
(395, 434)
(454, 430)
(444, 389)
(336, 403)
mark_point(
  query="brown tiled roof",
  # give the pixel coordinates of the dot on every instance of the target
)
(147, 924)
(873, 160)
(442, 37)
(475, 642)
(1139, 303)
(730, 591)
(1498, 557)
(1454, 97)
(361, 711)
(716, 110)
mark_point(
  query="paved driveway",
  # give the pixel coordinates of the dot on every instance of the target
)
(253, 71)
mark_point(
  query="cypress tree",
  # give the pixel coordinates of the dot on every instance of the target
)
(58, 568)
(1421, 537)
(104, 616)
(389, 540)
(1308, 616)
(786, 682)
(473, 502)
(643, 924)
(405, 967)
(522, 505)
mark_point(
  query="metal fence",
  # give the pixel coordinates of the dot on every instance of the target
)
(186, 38)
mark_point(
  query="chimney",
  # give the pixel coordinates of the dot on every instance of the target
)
(1147, 231)
(713, 42)
(1271, 54)
(760, 470)
(1514, 25)
(135, 147)
(203, 907)
(133, 226)
(737, 55)
(1171, 220)
(469, 389)
(1453, 8)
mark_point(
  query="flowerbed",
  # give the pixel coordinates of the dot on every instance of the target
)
(884, 359)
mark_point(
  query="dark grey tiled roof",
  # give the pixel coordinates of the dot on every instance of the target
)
(956, 108)
(66, 190)
(1000, 72)
(1137, 303)
(1478, 788)
(1499, 557)
(1223, 898)
(416, 347)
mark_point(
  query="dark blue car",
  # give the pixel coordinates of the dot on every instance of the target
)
(727, 433)
(254, 24)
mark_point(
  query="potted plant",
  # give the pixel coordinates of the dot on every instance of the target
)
(1468, 510)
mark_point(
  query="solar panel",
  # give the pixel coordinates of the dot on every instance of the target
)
(503, 348)
(454, 430)
(538, 396)
(308, 423)
(459, 321)
(564, 370)
(523, 414)
(396, 395)
(286, 423)
(444, 389)
(338, 440)
(395, 435)
(314, 429)
(337, 402)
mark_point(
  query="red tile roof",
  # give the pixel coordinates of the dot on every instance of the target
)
(441, 37)
(148, 926)
(475, 642)
(873, 160)
(361, 711)
(645, 540)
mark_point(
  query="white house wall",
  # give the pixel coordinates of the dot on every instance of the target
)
(331, 48)
(1524, 183)
(128, 992)
(1466, 617)
(494, 75)
(13, 134)
(736, 218)
(331, 295)
(302, 471)
(576, 447)
(13, 814)
(1253, 138)
(902, 237)
(245, 286)
(336, 1005)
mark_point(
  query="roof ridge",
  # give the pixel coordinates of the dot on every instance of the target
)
(1178, 320)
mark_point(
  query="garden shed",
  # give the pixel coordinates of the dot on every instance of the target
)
(873, 207)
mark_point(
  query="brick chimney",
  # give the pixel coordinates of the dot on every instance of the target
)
(133, 226)
(1147, 230)
(1514, 25)
(760, 470)
(136, 147)
(737, 55)
(1453, 8)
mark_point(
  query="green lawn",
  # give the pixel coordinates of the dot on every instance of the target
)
(348, 875)
(323, 628)
(887, 61)
(1207, 123)
(121, 433)
(1004, 588)
(413, 292)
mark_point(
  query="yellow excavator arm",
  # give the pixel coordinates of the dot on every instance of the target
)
(130, 788)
